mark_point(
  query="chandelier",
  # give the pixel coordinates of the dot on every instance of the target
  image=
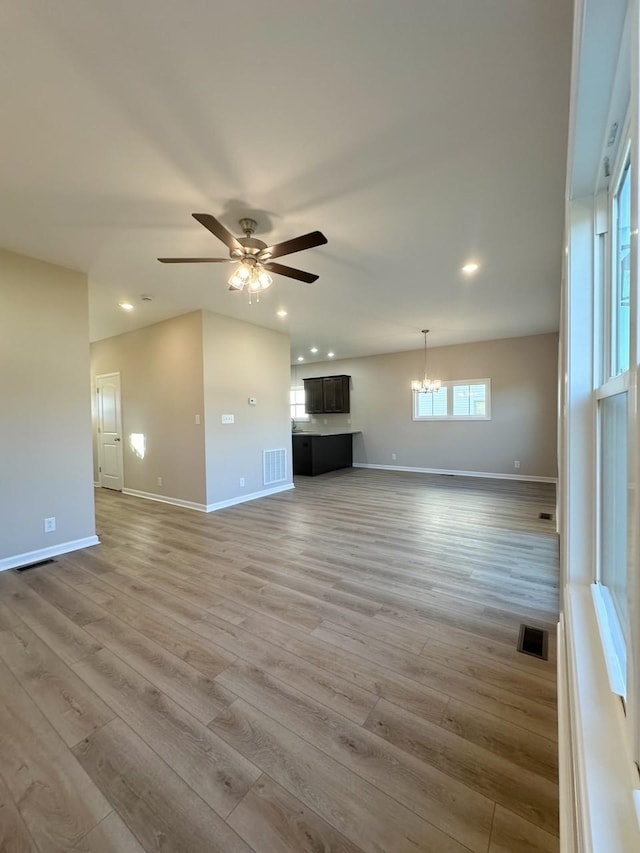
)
(251, 276)
(425, 384)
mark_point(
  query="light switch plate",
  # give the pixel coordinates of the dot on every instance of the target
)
(227, 419)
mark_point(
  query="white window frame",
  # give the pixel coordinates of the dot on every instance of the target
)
(621, 660)
(450, 416)
(614, 643)
(623, 161)
(294, 417)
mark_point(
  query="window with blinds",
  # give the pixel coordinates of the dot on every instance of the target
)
(465, 400)
(297, 401)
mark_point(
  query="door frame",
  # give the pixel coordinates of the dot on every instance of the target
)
(97, 422)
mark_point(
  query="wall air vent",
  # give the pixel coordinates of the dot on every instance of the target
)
(274, 464)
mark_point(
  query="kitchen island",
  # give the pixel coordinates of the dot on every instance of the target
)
(318, 452)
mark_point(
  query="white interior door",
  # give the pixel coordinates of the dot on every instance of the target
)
(109, 431)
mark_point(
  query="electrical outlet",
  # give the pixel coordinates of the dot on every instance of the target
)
(197, 420)
(516, 463)
(49, 524)
(394, 456)
(242, 482)
(159, 481)
(227, 419)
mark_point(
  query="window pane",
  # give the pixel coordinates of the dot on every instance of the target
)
(424, 404)
(431, 404)
(461, 401)
(613, 515)
(478, 400)
(440, 403)
(623, 271)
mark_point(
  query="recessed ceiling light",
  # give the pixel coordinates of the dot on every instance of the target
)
(330, 354)
(470, 268)
(282, 313)
(126, 306)
(314, 350)
(300, 358)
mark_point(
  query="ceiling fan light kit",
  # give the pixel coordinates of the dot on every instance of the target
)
(254, 257)
(426, 385)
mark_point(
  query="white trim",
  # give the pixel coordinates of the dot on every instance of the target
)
(30, 557)
(96, 485)
(613, 645)
(485, 474)
(149, 496)
(614, 386)
(568, 809)
(603, 778)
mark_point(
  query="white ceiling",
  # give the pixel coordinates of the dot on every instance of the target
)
(416, 134)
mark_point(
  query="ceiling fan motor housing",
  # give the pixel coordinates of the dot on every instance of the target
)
(251, 247)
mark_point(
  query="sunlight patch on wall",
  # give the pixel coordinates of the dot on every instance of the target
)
(137, 443)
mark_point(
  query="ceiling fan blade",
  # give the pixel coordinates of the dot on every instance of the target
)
(307, 241)
(195, 260)
(290, 272)
(217, 228)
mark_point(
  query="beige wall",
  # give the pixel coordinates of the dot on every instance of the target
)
(161, 373)
(242, 361)
(523, 373)
(45, 425)
(208, 365)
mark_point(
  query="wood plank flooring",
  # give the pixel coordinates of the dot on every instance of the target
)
(329, 669)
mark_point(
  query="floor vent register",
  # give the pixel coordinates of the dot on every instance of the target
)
(534, 642)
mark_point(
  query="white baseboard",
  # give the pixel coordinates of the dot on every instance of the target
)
(149, 496)
(96, 484)
(163, 499)
(273, 490)
(30, 557)
(485, 474)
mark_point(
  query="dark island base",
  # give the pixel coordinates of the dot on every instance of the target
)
(317, 454)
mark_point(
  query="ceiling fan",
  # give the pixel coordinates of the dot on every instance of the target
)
(254, 257)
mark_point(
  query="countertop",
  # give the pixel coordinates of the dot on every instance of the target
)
(317, 433)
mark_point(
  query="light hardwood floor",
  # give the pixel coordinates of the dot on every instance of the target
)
(328, 669)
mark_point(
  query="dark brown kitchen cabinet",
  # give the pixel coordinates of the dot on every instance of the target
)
(327, 395)
(313, 397)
